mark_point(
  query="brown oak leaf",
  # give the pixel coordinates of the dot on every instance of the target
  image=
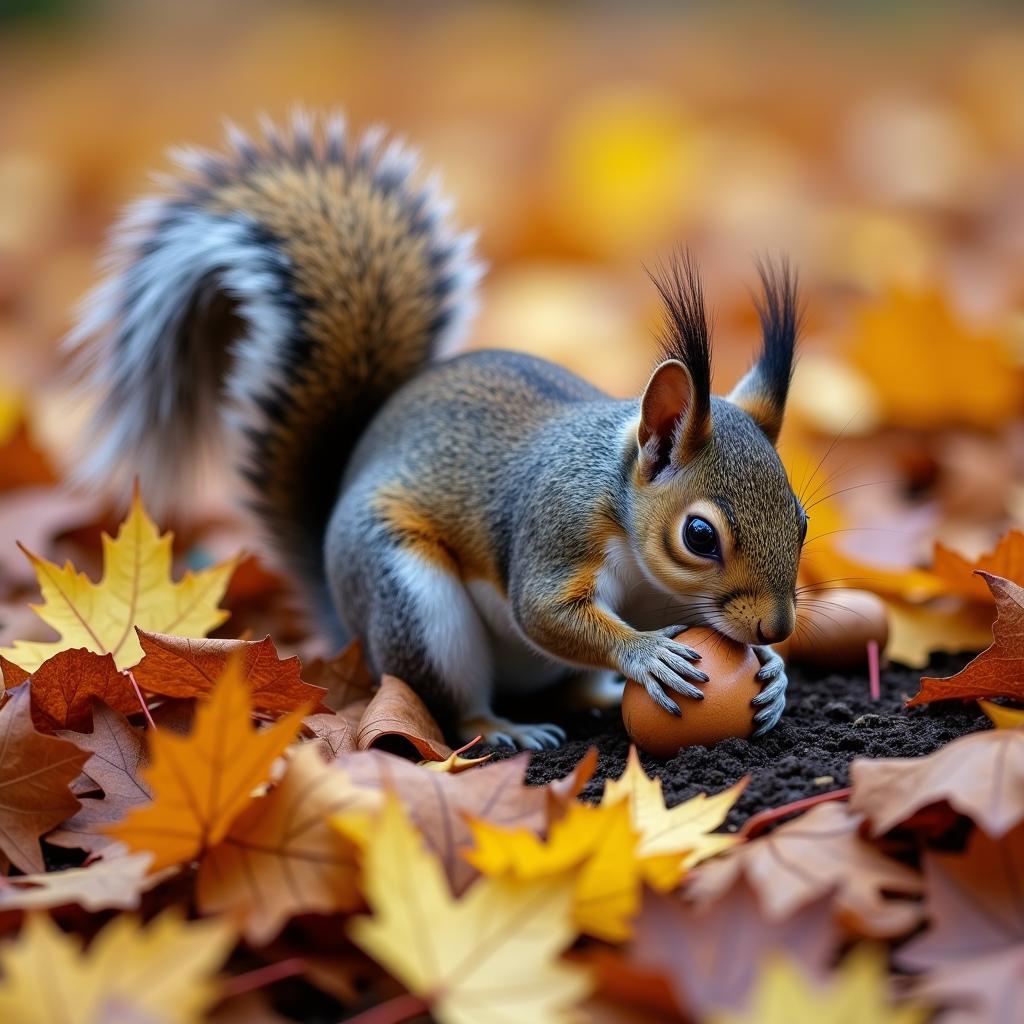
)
(64, 686)
(440, 802)
(711, 954)
(973, 950)
(282, 857)
(395, 717)
(999, 670)
(980, 776)
(332, 734)
(35, 793)
(181, 667)
(818, 855)
(118, 755)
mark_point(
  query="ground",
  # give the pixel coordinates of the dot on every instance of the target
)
(830, 720)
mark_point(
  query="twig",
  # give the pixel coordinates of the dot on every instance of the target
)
(759, 822)
(393, 1011)
(142, 700)
(874, 678)
(261, 977)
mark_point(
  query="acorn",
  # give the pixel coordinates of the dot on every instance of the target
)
(725, 711)
(834, 628)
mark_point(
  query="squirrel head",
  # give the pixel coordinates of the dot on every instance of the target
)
(715, 517)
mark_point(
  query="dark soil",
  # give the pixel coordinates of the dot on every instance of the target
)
(829, 720)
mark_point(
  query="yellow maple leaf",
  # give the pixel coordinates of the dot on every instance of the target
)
(161, 972)
(857, 993)
(1001, 716)
(136, 590)
(491, 955)
(281, 856)
(597, 844)
(672, 840)
(203, 781)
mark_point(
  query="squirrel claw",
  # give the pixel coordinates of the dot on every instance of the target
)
(500, 732)
(772, 699)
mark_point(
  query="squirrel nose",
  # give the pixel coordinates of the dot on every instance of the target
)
(772, 637)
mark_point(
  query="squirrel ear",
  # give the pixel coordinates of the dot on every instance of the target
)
(669, 429)
(762, 392)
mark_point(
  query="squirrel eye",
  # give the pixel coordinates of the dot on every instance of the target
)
(700, 537)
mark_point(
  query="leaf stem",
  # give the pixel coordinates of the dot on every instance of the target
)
(142, 700)
(261, 976)
(874, 678)
(393, 1011)
(759, 822)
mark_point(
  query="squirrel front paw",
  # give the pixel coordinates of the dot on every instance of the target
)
(771, 701)
(657, 662)
(503, 732)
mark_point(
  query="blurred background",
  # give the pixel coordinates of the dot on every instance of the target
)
(880, 145)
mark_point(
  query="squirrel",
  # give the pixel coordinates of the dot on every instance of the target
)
(486, 524)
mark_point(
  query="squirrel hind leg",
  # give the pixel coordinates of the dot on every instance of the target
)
(424, 628)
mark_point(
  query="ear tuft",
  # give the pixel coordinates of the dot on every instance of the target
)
(763, 391)
(686, 336)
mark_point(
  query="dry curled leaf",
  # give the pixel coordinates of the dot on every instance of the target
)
(346, 678)
(115, 884)
(997, 671)
(136, 590)
(819, 855)
(973, 949)
(35, 793)
(281, 856)
(163, 971)
(332, 734)
(492, 954)
(184, 667)
(203, 781)
(396, 712)
(711, 955)
(980, 776)
(440, 803)
(65, 685)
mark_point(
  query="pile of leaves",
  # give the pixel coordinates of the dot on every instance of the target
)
(198, 829)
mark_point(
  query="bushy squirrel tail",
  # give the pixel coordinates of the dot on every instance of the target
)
(282, 290)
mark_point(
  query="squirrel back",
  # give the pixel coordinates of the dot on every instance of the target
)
(303, 275)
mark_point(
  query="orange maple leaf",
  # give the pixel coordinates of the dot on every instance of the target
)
(203, 781)
(962, 575)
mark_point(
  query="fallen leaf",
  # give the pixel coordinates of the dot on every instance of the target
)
(997, 671)
(116, 766)
(916, 631)
(819, 855)
(65, 685)
(22, 462)
(281, 856)
(346, 678)
(711, 954)
(396, 712)
(491, 955)
(163, 971)
(115, 884)
(597, 844)
(441, 803)
(35, 792)
(973, 950)
(136, 590)
(962, 576)
(912, 346)
(857, 992)
(183, 667)
(1002, 717)
(980, 776)
(686, 831)
(203, 781)
(333, 734)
